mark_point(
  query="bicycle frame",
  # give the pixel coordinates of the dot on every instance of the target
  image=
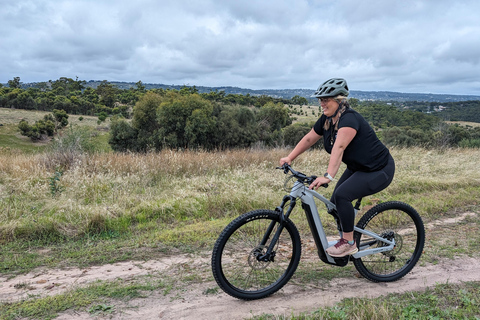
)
(307, 197)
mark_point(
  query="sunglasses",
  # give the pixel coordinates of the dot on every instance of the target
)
(324, 100)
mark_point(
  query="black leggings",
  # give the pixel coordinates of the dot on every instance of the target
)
(357, 184)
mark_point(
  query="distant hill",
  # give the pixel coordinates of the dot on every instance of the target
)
(289, 93)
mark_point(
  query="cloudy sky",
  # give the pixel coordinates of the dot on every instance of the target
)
(393, 45)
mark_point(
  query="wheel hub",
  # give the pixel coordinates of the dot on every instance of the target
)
(392, 236)
(259, 259)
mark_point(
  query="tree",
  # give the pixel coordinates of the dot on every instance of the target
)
(299, 100)
(123, 137)
(61, 119)
(180, 118)
(64, 86)
(107, 93)
(145, 121)
(274, 115)
(140, 86)
(292, 134)
(39, 130)
(15, 83)
(25, 101)
(199, 129)
(102, 116)
(236, 128)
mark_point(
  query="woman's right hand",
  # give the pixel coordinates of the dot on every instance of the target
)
(285, 160)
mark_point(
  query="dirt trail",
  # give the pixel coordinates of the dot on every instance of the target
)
(193, 303)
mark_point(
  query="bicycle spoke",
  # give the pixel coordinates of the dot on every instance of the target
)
(395, 222)
(240, 271)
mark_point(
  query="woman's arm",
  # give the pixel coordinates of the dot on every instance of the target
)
(307, 141)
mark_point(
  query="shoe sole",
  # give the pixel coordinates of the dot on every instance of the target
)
(345, 254)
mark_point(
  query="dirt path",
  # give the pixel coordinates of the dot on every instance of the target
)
(193, 303)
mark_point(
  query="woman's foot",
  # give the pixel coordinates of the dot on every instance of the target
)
(342, 248)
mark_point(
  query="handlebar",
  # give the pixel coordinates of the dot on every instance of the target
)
(300, 176)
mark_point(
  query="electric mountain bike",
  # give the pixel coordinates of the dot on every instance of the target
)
(258, 252)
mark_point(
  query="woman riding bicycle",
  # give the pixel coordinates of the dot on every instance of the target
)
(348, 138)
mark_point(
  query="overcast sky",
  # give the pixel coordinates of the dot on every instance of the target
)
(376, 45)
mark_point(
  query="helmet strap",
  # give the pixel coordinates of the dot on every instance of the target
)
(336, 112)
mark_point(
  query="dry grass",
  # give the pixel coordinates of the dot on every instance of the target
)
(13, 117)
(465, 123)
(308, 113)
(193, 187)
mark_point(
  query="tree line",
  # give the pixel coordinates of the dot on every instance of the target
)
(144, 120)
(448, 111)
(75, 97)
(177, 120)
(409, 127)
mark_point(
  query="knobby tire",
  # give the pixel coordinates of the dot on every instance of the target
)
(396, 221)
(235, 264)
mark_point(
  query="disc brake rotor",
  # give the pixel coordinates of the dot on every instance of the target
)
(253, 261)
(392, 236)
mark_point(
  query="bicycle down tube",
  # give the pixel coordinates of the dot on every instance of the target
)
(308, 204)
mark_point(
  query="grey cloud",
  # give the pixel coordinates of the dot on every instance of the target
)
(376, 45)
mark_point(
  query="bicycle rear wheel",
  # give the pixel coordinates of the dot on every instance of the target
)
(236, 262)
(395, 221)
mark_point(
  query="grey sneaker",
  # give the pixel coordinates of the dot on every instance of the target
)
(342, 249)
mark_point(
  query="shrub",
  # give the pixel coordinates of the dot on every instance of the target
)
(123, 137)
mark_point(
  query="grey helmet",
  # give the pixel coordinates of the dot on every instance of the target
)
(332, 88)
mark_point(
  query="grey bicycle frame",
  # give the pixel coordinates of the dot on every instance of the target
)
(301, 191)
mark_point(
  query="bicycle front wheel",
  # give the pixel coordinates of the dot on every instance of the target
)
(395, 221)
(239, 261)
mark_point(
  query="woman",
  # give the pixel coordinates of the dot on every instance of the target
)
(348, 138)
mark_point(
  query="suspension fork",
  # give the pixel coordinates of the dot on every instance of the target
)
(270, 254)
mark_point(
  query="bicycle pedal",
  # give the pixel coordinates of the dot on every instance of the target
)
(342, 261)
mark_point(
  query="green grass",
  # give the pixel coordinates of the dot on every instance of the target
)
(11, 141)
(96, 298)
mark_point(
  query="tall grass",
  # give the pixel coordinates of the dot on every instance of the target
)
(171, 190)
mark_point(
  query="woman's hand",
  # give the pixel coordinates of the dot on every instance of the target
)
(319, 182)
(285, 160)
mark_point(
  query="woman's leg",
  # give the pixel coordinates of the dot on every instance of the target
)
(354, 185)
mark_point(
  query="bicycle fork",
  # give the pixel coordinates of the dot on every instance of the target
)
(269, 255)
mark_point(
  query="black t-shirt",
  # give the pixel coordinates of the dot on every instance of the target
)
(365, 152)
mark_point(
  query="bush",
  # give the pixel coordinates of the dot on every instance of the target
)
(75, 139)
(123, 137)
(40, 130)
(294, 133)
(236, 128)
(69, 146)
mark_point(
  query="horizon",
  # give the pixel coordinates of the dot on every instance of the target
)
(243, 88)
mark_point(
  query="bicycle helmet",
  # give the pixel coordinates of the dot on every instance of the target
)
(332, 88)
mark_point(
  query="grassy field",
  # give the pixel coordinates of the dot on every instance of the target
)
(64, 209)
(11, 141)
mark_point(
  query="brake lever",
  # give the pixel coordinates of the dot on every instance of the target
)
(284, 167)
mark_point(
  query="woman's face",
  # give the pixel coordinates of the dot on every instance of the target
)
(329, 106)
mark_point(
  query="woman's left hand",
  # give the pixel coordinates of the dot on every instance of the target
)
(319, 182)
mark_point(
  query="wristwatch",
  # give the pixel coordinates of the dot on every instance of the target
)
(328, 176)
